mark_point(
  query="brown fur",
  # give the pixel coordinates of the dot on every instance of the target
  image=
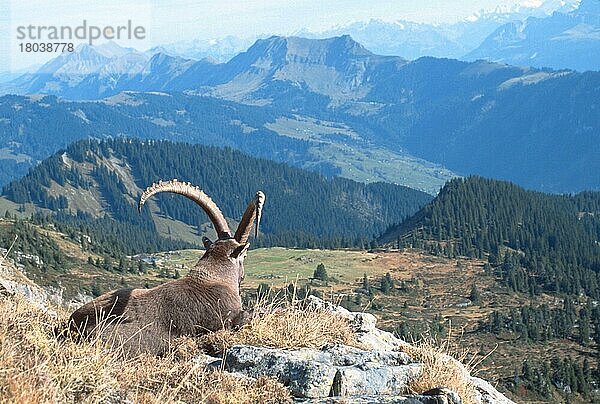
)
(146, 320)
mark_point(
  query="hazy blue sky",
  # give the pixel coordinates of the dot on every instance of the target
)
(182, 19)
(171, 21)
(210, 17)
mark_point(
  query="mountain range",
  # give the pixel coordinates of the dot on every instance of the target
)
(490, 35)
(561, 41)
(333, 106)
(555, 34)
(404, 38)
(217, 49)
(413, 40)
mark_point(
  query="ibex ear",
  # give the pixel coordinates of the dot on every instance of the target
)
(239, 251)
(207, 243)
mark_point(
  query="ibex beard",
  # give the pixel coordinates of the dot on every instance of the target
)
(207, 299)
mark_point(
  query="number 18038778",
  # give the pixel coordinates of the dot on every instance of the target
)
(46, 47)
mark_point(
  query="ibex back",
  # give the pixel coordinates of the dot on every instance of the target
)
(205, 300)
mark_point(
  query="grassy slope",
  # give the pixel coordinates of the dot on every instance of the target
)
(360, 161)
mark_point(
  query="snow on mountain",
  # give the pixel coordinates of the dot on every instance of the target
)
(219, 49)
(563, 40)
(413, 40)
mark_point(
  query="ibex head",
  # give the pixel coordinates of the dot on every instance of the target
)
(227, 253)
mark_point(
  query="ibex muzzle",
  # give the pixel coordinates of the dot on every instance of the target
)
(205, 300)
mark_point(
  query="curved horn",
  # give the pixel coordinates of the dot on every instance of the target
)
(253, 213)
(195, 194)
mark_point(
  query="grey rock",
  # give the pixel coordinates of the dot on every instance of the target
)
(207, 361)
(334, 370)
(383, 342)
(308, 373)
(343, 355)
(489, 395)
(317, 303)
(385, 380)
(32, 293)
(380, 340)
(444, 397)
(364, 326)
(360, 322)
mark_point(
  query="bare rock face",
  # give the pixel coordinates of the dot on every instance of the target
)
(306, 372)
(442, 398)
(14, 282)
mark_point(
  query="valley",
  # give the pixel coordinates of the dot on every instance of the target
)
(327, 147)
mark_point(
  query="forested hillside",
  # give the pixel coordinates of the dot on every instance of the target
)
(536, 242)
(96, 185)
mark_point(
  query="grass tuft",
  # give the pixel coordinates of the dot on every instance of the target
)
(441, 368)
(283, 324)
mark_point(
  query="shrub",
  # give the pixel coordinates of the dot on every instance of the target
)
(321, 273)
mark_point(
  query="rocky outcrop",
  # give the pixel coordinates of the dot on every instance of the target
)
(376, 371)
(364, 327)
(489, 395)
(335, 370)
(14, 282)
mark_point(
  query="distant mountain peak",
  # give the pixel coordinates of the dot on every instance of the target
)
(112, 49)
(162, 58)
(210, 60)
(108, 50)
(589, 7)
(315, 51)
(566, 39)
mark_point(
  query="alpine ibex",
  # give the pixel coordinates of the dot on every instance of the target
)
(207, 299)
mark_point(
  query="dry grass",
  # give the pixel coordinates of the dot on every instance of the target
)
(283, 324)
(441, 369)
(37, 367)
